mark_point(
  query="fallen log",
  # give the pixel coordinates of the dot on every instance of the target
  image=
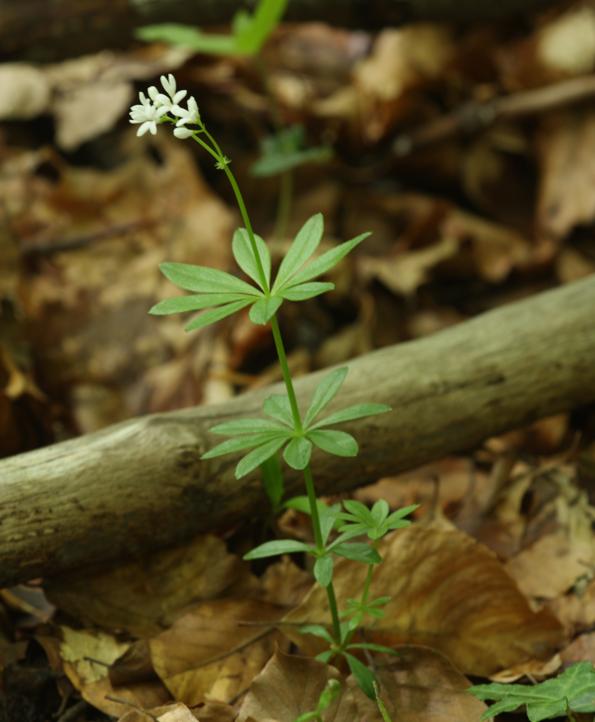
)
(68, 28)
(140, 485)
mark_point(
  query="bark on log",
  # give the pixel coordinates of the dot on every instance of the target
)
(140, 485)
(47, 30)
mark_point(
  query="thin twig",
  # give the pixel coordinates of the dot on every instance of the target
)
(473, 117)
(73, 712)
(126, 703)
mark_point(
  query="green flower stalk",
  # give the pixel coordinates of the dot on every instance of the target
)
(285, 427)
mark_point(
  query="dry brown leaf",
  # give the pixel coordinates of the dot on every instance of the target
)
(284, 583)
(405, 273)
(177, 713)
(169, 713)
(113, 700)
(99, 244)
(533, 669)
(289, 686)
(566, 149)
(566, 45)
(495, 249)
(576, 610)
(86, 657)
(401, 60)
(553, 563)
(572, 265)
(447, 592)
(581, 648)
(143, 598)
(25, 91)
(88, 654)
(559, 547)
(421, 686)
(215, 650)
(87, 95)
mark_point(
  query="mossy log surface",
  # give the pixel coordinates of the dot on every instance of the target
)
(140, 485)
(46, 30)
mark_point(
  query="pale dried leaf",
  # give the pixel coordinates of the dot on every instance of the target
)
(25, 91)
(566, 153)
(567, 44)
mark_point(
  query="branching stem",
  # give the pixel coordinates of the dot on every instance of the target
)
(215, 151)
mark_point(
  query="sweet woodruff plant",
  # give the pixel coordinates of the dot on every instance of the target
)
(350, 530)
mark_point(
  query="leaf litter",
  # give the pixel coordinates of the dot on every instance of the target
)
(496, 579)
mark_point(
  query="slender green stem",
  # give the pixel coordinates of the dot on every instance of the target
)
(380, 704)
(206, 147)
(367, 584)
(308, 478)
(286, 373)
(365, 593)
(246, 218)
(216, 152)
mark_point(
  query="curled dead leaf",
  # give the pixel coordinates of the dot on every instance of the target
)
(214, 651)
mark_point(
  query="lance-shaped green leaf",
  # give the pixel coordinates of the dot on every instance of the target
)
(365, 677)
(286, 150)
(252, 30)
(264, 309)
(272, 481)
(323, 570)
(184, 304)
(328, 517)
(244, 255)
(237, 427)
(374, 648)
(241, 443)
(305, 291)
(216, 314)
(277, 406)
(357, 512)
(397, 519)
(351, 413)
(302, 504)
(379, 511)
(274, 548)
(328, 260)
(325, 392)
(258, 455)
(297, 453)
(573, 690)
(184, 36)
(205, 280)
(357, 552)
(302, 248)
(339, 443)
(317, 630)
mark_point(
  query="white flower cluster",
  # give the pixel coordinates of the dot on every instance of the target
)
(153, 110)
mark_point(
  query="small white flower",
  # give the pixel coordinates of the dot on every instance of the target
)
(190, 115)
(170, 104)
(147, 114)
(157, 97)
(183, 133)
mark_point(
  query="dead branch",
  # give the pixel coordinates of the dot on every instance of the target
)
(43, 31)
(474, 117)
(141, 485)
